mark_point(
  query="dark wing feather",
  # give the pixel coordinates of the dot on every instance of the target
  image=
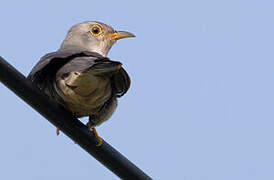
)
(44, 72)
(53, 61)
(120, 83)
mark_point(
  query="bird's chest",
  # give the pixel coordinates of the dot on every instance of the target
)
(84, 94)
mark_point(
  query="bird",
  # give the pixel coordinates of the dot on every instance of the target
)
(80, 77)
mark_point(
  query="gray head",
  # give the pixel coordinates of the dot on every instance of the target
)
(93, 36)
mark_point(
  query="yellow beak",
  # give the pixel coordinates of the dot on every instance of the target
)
(119, 35)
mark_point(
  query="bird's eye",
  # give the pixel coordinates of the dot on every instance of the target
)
(95, 30)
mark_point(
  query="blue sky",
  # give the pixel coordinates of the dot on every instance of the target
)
(201, 102)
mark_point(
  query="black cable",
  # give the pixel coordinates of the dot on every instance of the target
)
(69, 125)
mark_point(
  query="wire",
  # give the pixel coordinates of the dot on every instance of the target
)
(69, 125)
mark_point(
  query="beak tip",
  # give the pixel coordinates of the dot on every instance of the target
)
(125, 34)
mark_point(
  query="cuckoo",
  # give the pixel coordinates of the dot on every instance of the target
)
(80, 77)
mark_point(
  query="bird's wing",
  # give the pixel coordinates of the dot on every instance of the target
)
(50, 63)
(44, 72)
(121, 82)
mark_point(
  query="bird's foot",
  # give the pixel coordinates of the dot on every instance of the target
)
(89, 125)
(57, 131)
(97, 137)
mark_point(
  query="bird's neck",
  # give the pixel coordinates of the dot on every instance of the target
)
(79, 48)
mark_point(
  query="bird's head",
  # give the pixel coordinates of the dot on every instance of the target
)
(93, 36)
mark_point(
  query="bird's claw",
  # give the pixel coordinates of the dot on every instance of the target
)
(89, 125)
(97, 137)
(57, 131)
